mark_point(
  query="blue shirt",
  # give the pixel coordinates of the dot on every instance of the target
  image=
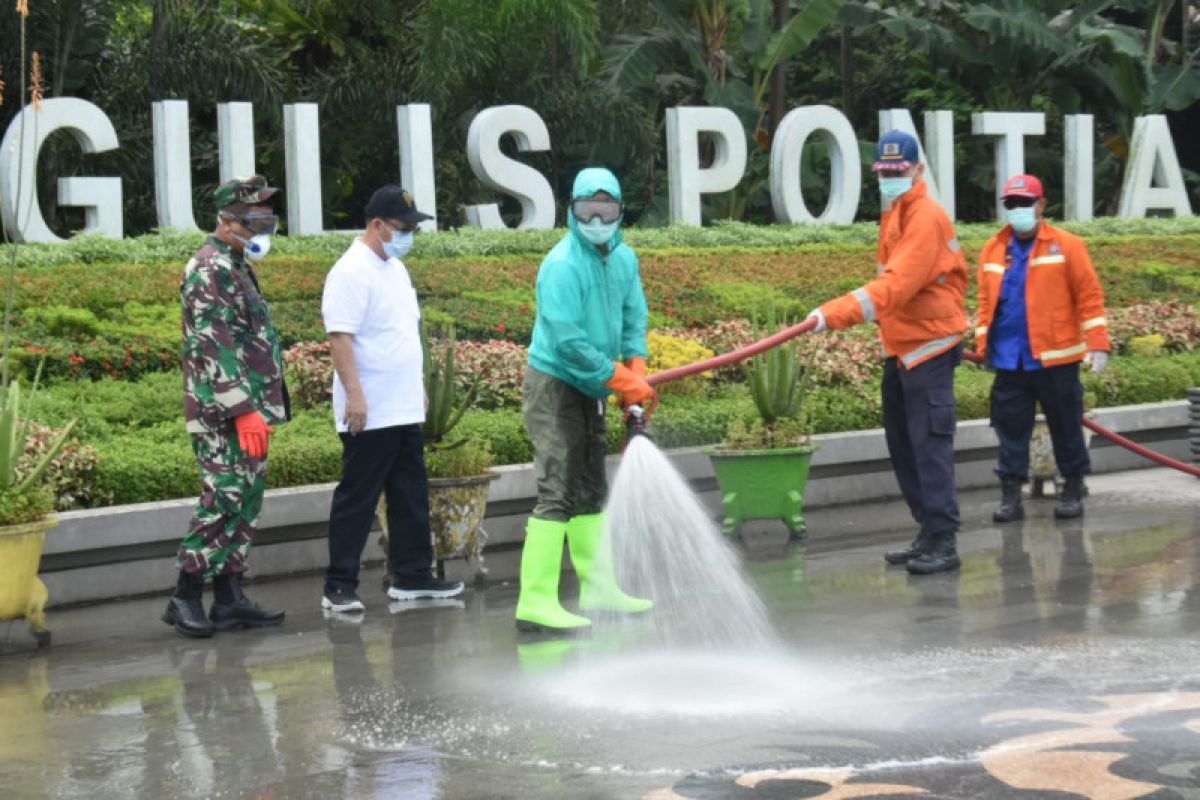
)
(1008, 338)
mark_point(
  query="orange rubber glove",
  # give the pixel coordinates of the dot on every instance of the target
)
(637, 365)
(253, 434)
(632, 388)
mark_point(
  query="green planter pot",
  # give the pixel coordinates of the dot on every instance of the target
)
(763, 484)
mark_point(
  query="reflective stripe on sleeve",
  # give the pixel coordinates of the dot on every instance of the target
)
(1094, 322)
(994, 268)
(865, 303)
(981, 330)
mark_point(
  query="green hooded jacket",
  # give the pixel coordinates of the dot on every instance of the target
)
(591, 310)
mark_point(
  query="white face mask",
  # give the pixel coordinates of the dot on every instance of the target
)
(256, 247)
(399, 245)
(598, 232)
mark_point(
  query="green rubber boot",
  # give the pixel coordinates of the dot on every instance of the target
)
(538, 608)
(591, 553)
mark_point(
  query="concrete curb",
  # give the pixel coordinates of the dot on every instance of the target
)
(119, 551)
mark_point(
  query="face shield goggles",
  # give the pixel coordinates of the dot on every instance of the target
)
(258, 223)
(587, 209)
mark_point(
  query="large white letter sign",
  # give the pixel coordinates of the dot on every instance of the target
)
(938, 155)
(1078, 167)
(1152, 175)
(415, 125)
(1010, 129)
(172, 165)
(235, 140)
(302, 163)
(505, 175)
(687, 181)
(100, 197)
(846, 178)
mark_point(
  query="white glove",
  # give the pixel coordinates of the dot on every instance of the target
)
(820, 318)
(1097, 360)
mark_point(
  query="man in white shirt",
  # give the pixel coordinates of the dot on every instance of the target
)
(373, 322)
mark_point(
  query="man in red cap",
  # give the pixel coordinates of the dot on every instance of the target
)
(1041, 313)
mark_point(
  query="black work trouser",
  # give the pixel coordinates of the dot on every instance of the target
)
(919, 417)
(1058, 390)
(389, 461)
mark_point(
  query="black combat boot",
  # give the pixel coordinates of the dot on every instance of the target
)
(1070, 503)
(942, 556)
(232, 609)
(185, 609)
(918, 546)
(1010, 502)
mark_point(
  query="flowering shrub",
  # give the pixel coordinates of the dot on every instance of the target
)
(70, 472)
(498, 368)
(1176, 322)
(850, 358)
(309, 373)
(719, 337)
(667, 352)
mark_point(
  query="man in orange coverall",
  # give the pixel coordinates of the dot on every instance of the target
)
(918, 301)
(1041, 312)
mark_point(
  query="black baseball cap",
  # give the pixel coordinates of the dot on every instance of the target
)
(394, 202)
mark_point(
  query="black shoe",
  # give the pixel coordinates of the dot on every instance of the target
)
(914, 550)
(942, 556)
(342, 601)
(1070, 504)
(424, 587)
(232, 609)
(1010, 508)
(185, 609)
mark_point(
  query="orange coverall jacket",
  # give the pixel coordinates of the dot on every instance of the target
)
(920, 293)
(1064, 303)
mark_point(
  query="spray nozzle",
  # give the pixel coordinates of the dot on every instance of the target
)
(635, 422)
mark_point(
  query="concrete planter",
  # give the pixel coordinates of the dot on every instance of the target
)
(22, 593)
(104, 553)
(456, 510)
(762, 484)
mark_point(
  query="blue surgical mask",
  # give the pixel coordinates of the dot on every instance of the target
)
(399, 245)
(598, 232)
(1023, 220)
(893, 188)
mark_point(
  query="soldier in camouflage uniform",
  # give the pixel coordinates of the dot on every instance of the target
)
(233, 393)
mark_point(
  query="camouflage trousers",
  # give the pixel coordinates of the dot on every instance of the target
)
(222, 527)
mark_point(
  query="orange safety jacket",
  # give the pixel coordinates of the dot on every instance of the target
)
(1064, 304)
(920, 293)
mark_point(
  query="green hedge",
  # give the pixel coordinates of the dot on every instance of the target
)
(144, 452)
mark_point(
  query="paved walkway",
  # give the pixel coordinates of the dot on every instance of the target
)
(1062, 662)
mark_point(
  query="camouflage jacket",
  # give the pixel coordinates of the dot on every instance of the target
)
(231, 359)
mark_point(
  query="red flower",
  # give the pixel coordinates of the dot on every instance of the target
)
(76, 359)
(500, 327)
(523, 308)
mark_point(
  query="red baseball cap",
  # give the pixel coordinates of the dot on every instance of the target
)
(1023, 186)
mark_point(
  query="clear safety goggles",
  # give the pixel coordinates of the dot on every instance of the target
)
(258, 222)
(586, 209)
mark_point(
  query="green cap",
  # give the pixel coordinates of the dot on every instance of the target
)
(252, 191)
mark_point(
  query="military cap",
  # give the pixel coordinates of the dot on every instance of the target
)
(252, 191)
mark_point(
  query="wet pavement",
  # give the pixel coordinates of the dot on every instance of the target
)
(1062, 662)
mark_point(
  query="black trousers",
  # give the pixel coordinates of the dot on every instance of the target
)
(389, 461)
(1060, 394)
(919, 417)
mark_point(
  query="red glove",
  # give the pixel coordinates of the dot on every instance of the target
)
(632, 388)
(637, 365)
(253, 434)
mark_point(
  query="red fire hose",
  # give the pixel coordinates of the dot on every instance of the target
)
(725, 359)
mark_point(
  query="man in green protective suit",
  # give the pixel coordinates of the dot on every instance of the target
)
(589, 340)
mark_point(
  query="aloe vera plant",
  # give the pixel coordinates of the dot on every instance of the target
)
(777, 378)
(14, 431)
(445, 408)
